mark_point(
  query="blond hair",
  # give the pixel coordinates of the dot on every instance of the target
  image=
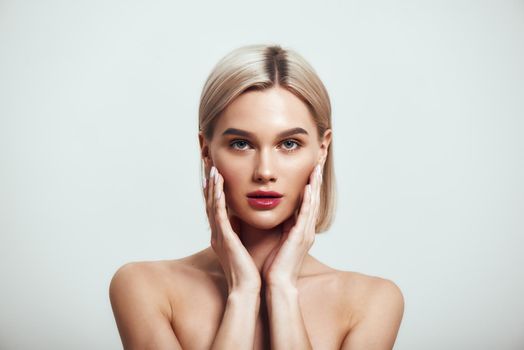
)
(261, 67)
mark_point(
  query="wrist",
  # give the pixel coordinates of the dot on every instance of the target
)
(245, 288)
(245, 301)
(281, 289)
(242, 294)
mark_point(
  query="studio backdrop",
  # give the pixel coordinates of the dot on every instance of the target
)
(99, 155)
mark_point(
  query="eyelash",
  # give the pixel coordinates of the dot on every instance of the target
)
(234, 142)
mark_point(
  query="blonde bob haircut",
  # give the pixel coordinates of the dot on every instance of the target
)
(258, 67)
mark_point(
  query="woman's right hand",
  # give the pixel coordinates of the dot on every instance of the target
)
(240, 271)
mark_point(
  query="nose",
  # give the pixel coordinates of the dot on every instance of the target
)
(264, 167)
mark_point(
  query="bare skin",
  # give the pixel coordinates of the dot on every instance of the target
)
(186, 298)
(257, 286)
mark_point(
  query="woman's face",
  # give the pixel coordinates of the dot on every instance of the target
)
(265, 140)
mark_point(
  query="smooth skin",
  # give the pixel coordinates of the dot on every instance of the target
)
(269, 279)
(280, 270)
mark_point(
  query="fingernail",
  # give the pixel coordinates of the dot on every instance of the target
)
(216, 177)
(212, 172)
(219, 193)
(204, 183)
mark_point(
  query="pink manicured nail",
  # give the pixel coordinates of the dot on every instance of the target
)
(204, 183)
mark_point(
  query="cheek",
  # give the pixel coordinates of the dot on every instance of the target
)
(226, 165)
(297, 177)
(233, 171)
(293, 173)
(299, 170)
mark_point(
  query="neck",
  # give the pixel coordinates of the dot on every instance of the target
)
(259, 242)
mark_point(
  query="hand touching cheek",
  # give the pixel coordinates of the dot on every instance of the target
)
(283, 265)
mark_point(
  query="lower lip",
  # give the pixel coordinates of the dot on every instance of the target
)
(263, 203)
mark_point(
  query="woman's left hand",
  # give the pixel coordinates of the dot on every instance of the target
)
(283, 265)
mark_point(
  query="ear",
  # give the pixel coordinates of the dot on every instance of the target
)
(204, 152)
(324, 147)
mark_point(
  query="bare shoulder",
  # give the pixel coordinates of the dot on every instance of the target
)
(375, 308)
(163, 282)
(141, 306)
(364, 290)
(152, 279)
(141, 275)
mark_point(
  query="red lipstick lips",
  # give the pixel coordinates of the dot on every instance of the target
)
(264, 199)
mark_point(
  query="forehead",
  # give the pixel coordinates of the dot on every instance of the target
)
(266, 112)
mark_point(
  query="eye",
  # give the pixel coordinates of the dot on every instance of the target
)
(240, 143)
(291, 145)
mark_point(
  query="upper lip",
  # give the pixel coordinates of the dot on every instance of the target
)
(260, 193)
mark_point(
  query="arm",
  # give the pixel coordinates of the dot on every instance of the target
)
(282, 268)
(237, 329)
(144, 324)
(286, 324)
(142, 321)
(378, 327)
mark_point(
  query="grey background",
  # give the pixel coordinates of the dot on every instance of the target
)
(100, 166)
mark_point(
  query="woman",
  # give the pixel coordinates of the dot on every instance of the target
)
(265, 134)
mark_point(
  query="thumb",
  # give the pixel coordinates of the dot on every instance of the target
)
(289, 223)
(235, 222)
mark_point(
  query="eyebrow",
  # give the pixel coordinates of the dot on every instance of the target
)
(285, 133)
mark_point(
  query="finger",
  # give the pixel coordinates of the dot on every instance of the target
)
(209, 201)
(303, 215)
(221, 229)
(205, 191)
(290, 222)
(233, 220)
(315, 200)
(204, 186)
(213, 185)
(318, 184)
(317, 206)
(225, 230)
(221, 217)
(209, 188)
(314, 184)
(214, 197)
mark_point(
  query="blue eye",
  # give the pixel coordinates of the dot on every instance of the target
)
(288, 145)
(238, 143)
(291, 143)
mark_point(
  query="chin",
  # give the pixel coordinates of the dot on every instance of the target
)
(263, 220)
(264, 224)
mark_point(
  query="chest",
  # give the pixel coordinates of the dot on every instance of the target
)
(197, 321)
